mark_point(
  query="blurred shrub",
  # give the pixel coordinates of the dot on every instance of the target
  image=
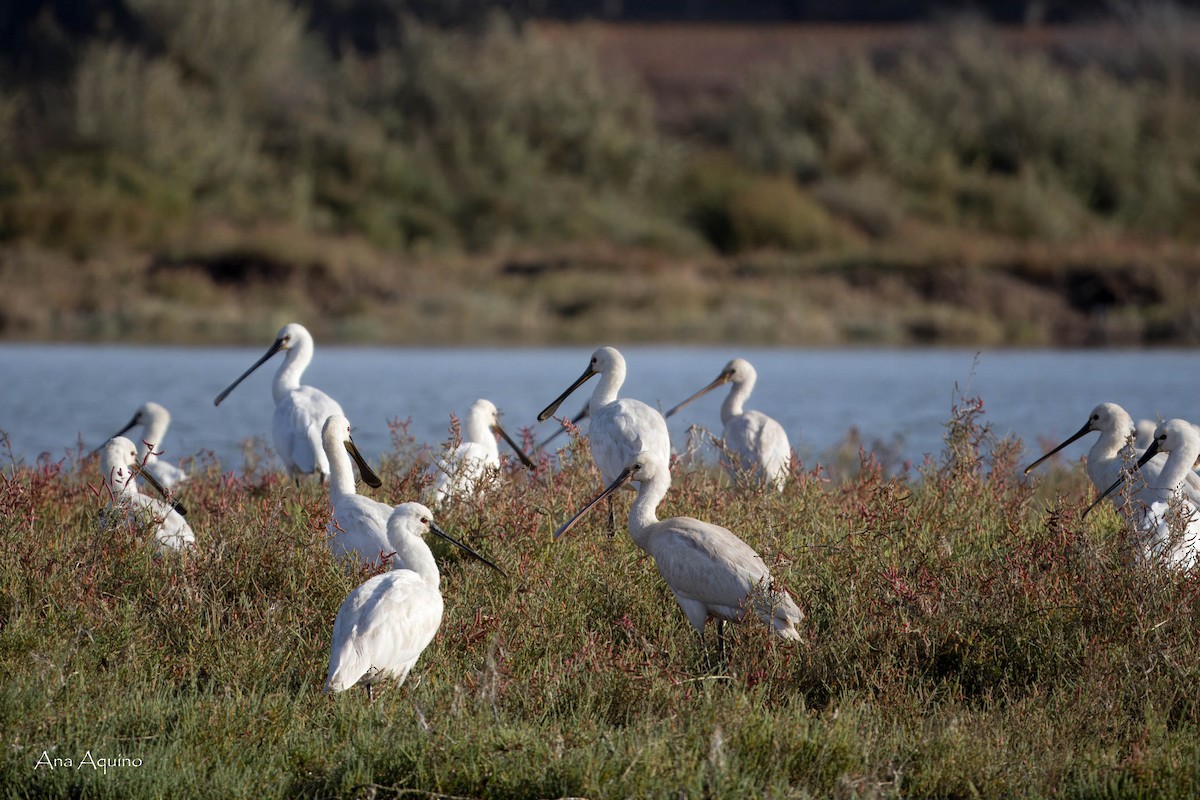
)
(514, 120)
(737, 210)
(776, 213)
(977, 132)
(435, 139)
(867, 201)
(143, 109)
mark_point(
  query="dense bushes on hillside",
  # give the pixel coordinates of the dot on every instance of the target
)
(472, 137)
(182, 132)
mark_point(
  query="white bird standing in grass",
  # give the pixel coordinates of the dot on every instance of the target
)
(457, 472)
(385, 624)
(620, 429)
(712, 573)
(118, 466)
(300, 411)
(358, 526)
(154, 420)
(1170, 518)
(756, 444)
(1104, 461)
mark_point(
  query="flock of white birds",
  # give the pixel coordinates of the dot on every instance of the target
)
(385, 624)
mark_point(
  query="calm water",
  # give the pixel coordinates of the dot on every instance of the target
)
(55, 396)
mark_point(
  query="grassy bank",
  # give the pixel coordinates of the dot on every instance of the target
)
(239, 287)
(966, 635)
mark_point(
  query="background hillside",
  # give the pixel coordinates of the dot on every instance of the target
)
(451, 173)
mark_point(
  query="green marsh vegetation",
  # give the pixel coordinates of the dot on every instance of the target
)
(966, 635)
(182, 168)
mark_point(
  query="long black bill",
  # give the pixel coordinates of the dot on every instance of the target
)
(364, 469)
(621, 480)
(274, 349)
(550, 409)
(158, 487)
(1086, 429)
(722, 379)
(1150, 453)
(516, 447)
(574, 421)
(459, 544)
(121, 432)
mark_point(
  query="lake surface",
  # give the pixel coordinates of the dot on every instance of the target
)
(55, 396)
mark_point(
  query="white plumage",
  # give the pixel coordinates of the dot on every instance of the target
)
(384, 625)
(154, 420)
(300, 411)
(1169, 522)
(358, 527)
(458, 472)
(756, 445)
(620, 429)
(711, 572)
(118, 465)
(1108, 456)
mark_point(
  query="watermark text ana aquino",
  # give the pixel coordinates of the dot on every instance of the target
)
(96, 763)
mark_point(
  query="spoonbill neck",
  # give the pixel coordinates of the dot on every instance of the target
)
(735, 400)
(287, 379)
(1111, 443)
(606, 390)
(341, 471)
(414, 555)
(480, 432)
(153, 433)
(644, 511)
(1179, 465)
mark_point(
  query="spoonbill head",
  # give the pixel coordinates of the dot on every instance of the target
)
(757, 445)
(1115, 427)
(1170, 516)
(358, 524)
(711, 572)
(118, 466)
(1180, 440)
(1107, 457)
(459, 470)
(154, 420)
(620, 429)
(384, 625)
(300, 411)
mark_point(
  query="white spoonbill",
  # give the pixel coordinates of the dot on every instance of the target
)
(757, 445)
(1143, 433)
(619, 429)
(1104, 461)
(459, 470)
(118, 465)
(300, 411)
(358, 527)
(711, 572)
(385, 624)
(154, 420)
(1171, 518)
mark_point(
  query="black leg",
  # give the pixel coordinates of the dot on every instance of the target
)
(721, 644)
